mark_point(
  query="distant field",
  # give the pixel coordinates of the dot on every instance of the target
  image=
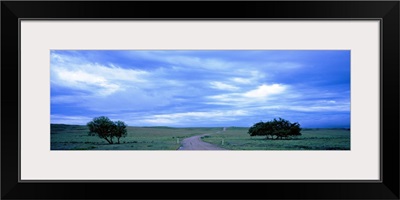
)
(74, 137)
(311, 139)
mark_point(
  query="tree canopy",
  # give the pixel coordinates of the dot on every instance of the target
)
(275, 129)
(120, 130)
(107, 129)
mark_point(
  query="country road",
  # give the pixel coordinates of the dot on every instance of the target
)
(195, 143)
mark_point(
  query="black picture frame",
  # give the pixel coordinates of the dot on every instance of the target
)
(386, 11)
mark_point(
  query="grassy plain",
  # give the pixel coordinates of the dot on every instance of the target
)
(311, 139)
(75, 137)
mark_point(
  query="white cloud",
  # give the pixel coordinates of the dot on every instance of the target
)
(131, 99)
(211, 63)
(185, 60)
(107, 88)
(241, 80)
(265, 90)
(283, 65)
(64, 119)
(259, 95)
(192, 117)
(85, 81)
(311, 106)
(316, 108)
(248, 76)
(61, 99)
(222, 86)
(76, 73)
(57, 58)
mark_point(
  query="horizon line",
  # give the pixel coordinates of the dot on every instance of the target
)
(205, 126)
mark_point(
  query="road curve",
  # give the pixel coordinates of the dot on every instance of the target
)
(195, 143)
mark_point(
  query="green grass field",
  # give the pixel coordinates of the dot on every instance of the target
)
(311, 139)
(74, 137)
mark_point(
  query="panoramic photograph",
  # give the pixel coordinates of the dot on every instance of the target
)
(200, 100)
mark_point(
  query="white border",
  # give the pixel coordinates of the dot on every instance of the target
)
(39, 163)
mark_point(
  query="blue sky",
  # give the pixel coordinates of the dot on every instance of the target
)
(201, 88)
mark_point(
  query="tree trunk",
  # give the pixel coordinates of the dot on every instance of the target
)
(109, 142)
(118, 141)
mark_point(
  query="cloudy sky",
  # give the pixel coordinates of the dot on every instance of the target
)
(201, 87)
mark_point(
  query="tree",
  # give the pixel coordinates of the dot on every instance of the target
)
(256, 129)
(107, 129)
(280, 128)
(120, 130)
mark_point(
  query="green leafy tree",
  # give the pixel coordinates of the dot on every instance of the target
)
(261, 129)
(275, 129)
(107, 129)
(256, 129)
(295, 129)
(120, 130)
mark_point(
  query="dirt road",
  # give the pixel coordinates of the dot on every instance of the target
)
(195, 143)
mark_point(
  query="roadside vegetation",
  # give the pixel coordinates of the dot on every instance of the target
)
(234, 138)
